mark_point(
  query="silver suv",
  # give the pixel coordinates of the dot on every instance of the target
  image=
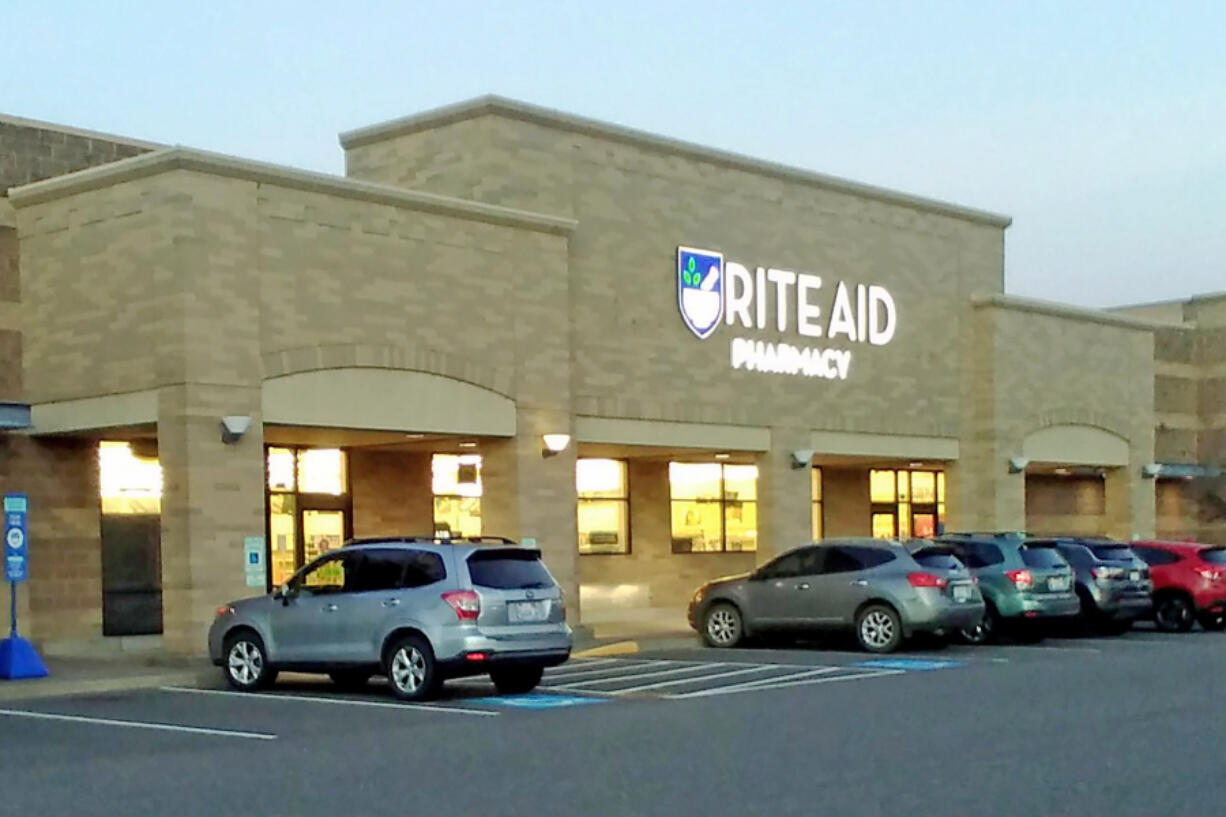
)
(419, 610)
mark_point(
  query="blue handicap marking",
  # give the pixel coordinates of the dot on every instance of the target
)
(909, 664)
(535, 701)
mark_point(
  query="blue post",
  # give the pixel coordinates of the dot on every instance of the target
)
(18, 658)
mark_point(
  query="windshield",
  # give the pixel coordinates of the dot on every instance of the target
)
(508, 570)
(937, 558)
(1216, 556)
(1113, 553)
(1041, 556)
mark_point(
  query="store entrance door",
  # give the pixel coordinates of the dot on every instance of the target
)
(302, 528)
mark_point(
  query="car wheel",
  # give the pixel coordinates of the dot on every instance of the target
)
(517, 681)
(1174, 614)
(1214, 621)
(722, 625)
(350, 678)
(985, 631)
(879, 629)
(411, 670)
(246, 662)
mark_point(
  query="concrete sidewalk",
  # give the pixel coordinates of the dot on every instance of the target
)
(84, 676)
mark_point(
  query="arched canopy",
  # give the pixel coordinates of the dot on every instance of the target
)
(1076, 445)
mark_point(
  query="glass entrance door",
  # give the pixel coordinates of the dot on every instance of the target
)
(309, 507)
(322, 532)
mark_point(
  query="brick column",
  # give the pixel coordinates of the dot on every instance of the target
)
(980, 493)
(212, 497)
(530, 496)
(785, 495)
(1130, 504)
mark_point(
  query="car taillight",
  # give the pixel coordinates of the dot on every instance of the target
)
(926, 580)
(466, 603)
(224, 610)
(1108, 572)
(1208, 573)
(1022, 579)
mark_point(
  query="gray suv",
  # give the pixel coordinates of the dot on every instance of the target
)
(419, 610)
(881, 589)
(1112, 582)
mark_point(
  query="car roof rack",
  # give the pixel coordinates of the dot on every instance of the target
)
(431, 540)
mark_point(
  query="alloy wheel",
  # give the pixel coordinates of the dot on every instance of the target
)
(409, 669)
(246, 663)
(723, 627)
(877, 629)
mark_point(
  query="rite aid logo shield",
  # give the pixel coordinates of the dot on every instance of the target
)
(700, 289)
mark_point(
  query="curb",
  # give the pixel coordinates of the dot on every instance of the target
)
(616, 648)
(50, 688)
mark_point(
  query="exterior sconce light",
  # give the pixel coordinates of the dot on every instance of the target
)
(554, 444)
(1018, 464)
(1151, 470)
(802, 458)
(233, 427)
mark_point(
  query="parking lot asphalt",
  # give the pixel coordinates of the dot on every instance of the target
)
(1123, 726)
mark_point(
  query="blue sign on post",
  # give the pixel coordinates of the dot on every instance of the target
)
(15, 507)
(18, 658)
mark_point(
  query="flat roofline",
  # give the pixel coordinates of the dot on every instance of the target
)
(515, 109)
(999, 300)
(182, 158)
(1191, 299)
(38, 124)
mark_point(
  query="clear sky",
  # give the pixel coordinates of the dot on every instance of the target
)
(1099, 126)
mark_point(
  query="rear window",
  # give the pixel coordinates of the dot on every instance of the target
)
(1042, 557)
(1113, 553)
(508, 570)
(937, 559)
(1215, 556)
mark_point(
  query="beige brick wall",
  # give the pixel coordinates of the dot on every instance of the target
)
(846, 499)
(391, 493)
(1066, 505)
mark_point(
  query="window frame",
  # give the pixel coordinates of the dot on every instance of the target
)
(624, 500)
(434, 497)
(723, 502)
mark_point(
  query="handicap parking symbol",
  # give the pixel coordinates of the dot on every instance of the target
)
(536, 701)
(909, 664)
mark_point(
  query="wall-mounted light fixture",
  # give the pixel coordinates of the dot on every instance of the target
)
(1151, 470)
(554, 444)
(233, 427)
(1018, 464)
(801, 458)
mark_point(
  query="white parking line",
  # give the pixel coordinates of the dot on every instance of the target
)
(753, 684)
(165, 727)
(623, 670)
(770, 683)
(336, 701)
(700, 679)
(619, 678)
(584, 663)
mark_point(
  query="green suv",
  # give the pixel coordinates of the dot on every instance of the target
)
(1023, 582)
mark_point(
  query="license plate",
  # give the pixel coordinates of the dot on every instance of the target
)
(1058, 583)
(1134, 576)
(962, 592)
(523, 612)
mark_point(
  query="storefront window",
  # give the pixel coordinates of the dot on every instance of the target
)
(321, 471)
(604, 506)
(819, 521)
(456, 484)
(714, 507)
(309, 507)
(906, 503)
(129, 484)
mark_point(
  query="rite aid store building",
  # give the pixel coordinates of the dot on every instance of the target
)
(227, 358)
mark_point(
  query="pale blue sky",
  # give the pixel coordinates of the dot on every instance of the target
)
(1099, 126)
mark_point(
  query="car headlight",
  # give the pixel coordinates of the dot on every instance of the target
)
(698, 594)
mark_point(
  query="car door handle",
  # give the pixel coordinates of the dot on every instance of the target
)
(330, 608)
(391, 603)
(802, 586)
(859, 583)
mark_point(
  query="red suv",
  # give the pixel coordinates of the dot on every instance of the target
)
(1189, 584)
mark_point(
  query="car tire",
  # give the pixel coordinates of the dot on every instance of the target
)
(411, 670)
(722, 625)
(986, 631)
(1214, 622)
(517, 681)
(879, 629)
(350, 679)
(1174, 614)
(245, 662)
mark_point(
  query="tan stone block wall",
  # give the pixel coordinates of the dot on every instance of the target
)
(391, 492)
(1066, 505)
(846, 502)
(63, 598)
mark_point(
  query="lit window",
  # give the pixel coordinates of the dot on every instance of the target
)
(321, 471)
(604, 506)
(818, 519)
(906, 504)
(128, 484)
(280, 469)
(456, 485)
(714, 507)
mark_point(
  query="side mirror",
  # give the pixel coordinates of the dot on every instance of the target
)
(283, 594)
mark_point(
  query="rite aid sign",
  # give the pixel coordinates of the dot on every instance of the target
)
(711, 292)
